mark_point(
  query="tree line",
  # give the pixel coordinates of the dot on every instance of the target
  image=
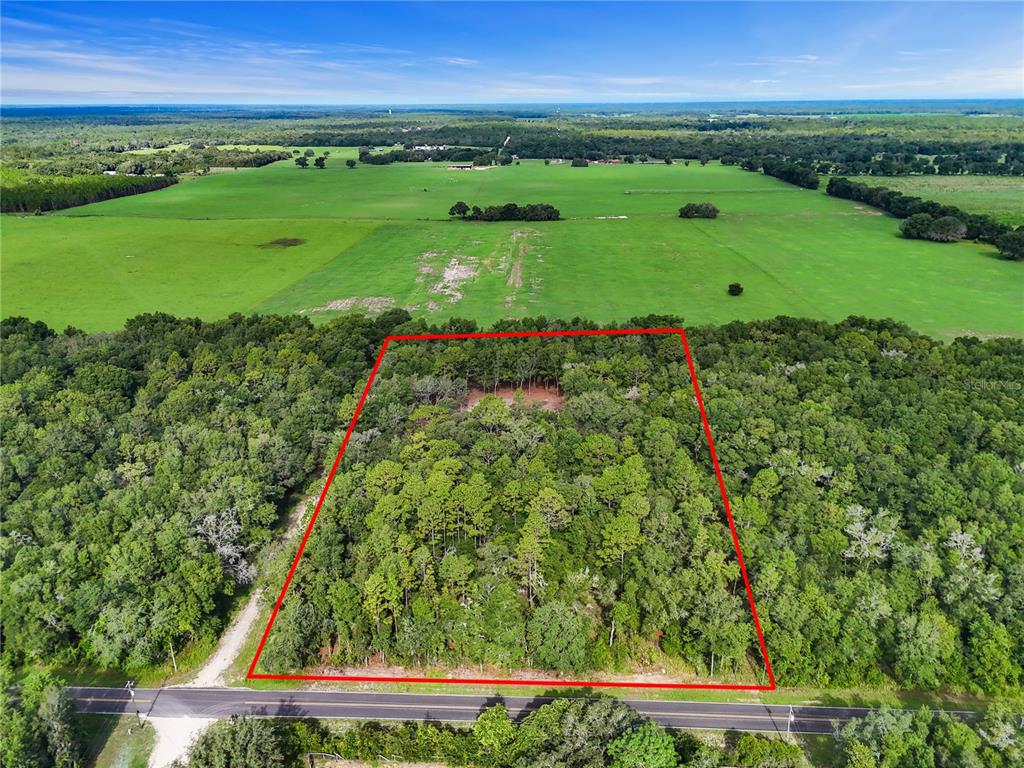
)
(506, 212)
(923, 739)
(196, 158)
(834, 144)
(410, 155)
(929, 220)
(567, 733)
(854, 154)
(30, 192)
(795, 173)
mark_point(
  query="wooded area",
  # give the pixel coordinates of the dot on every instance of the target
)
(875, 477)
(30, 193)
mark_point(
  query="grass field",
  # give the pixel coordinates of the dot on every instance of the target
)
(1000, 196)
(379, 236)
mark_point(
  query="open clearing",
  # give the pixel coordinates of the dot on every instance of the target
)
(377, 236)
(1000, 196)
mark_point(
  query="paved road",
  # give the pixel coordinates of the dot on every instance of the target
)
(224, 702)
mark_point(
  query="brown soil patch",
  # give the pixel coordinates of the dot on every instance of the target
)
(283, 242)
(547, 398)
(515, 275)
(868, 211)
(370, 303)
(454, 276)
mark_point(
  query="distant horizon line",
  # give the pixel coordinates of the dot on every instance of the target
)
(407, 105)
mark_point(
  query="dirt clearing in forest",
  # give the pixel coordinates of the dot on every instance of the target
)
(548, 398)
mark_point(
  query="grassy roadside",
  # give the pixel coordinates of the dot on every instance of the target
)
(117, 742)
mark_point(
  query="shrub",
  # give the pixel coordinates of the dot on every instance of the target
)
(579, 162)
(698, 211)
(915, 227)
(1011, 245)
(947, 229)
(735, 289)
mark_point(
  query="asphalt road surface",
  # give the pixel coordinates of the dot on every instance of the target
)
(224, 702)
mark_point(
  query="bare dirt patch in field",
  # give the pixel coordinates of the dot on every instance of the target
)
(459, 271)
(515, 275)
(547, 398)
(518, 249)
(868, 211)
(283, 242)
(369, 303)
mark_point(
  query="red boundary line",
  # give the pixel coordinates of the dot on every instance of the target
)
(771, 686)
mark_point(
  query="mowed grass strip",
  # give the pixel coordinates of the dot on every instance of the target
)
(378, 236)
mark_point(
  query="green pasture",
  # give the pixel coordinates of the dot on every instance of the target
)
(379, 236)
(96, 272)
(1000, 196)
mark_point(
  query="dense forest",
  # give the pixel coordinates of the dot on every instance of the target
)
(29, 192)
(569, 539)
(882, 524)
(875, 475)
(144, 469)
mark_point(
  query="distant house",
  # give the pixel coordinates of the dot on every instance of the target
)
(429, 147)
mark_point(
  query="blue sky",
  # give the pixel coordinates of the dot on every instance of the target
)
(390, 53)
